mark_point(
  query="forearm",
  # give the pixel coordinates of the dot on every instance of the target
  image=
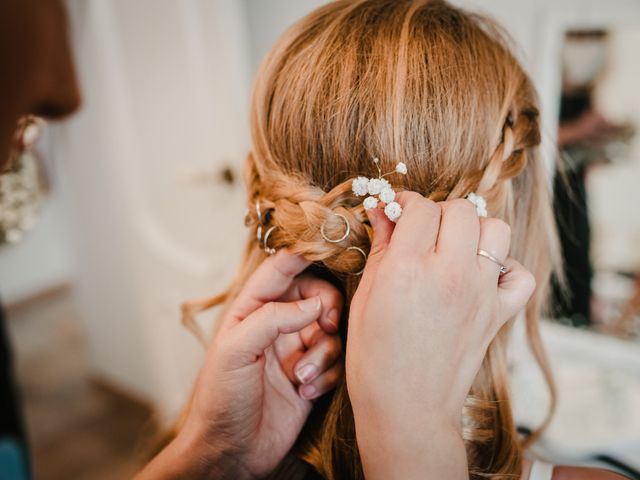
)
(428, 452)
(188, 457)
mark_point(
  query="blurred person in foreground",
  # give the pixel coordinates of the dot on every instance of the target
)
(37, 78)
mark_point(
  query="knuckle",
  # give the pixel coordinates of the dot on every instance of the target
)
(462, 204)
(410, 199)
(410, 196)
(497, 225)
(430, 208)
(270, 309)
(376, 250)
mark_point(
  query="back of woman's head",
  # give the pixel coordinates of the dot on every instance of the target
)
(413, 81)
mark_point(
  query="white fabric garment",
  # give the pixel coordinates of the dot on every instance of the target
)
(541, 471)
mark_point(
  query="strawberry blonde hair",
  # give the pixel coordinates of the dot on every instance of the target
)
(413, 81)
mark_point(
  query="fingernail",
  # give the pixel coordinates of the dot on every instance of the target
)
(310, 304)
(308, 391)
(306, 373)
(332, 317)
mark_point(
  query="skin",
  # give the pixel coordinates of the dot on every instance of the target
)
(249, 404)
(432, 244)
(444, 335)
(279, 326)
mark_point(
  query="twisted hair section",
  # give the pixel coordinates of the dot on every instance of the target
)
(309, 221)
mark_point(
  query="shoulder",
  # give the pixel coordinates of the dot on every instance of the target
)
(583, 473)
(561, 472)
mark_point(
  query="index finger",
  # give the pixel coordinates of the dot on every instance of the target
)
(460, 229)
(417, 228)
(330, 297)
(270, 280)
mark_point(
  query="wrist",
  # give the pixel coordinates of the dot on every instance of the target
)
(191, 455)
(431, 448)
(207, 456)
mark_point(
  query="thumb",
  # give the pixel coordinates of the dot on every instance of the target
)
(253, 335)
(514, 289)
(382, 230)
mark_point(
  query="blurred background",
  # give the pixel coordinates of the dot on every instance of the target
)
(136, 204)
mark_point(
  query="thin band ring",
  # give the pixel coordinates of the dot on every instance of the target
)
(267, 248)
(364, 255)
(346, 232)
(485, 254)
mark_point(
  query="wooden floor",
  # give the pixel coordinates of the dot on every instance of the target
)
(78, 427)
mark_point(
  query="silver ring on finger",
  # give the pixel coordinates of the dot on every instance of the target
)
(487, 255)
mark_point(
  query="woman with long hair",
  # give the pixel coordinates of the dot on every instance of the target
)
(435, 90)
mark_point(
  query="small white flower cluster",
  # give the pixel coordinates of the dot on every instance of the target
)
(479, 202)
(379, 190)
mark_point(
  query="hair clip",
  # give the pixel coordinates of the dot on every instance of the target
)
(265, 241)
(364, 256)
(379, 190)
(479, 202)
(347, 230)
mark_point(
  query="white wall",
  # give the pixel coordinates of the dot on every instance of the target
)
(165, 87)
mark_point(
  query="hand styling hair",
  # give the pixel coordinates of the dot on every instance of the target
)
(413, 81)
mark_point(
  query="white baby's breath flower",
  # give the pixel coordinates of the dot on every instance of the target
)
(393, 211)
(479, 202)
(370, 202)
(401, 167)
(387, 195)
(359, 186)
(375, 186)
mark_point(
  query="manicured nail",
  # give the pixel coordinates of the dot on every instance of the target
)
(306, 373)
(332, 317)
(310, 304)
(308, 391)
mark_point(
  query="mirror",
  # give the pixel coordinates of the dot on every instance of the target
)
(597, 217)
